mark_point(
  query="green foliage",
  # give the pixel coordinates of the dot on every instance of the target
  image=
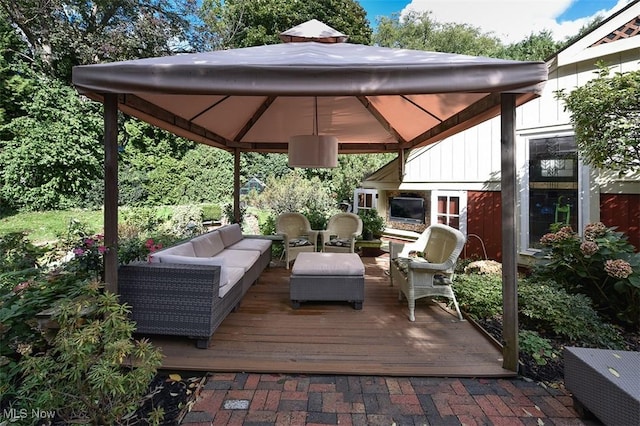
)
(17, 252)
(294, 193)
(244, 23)
(230, 215)
(63, 34)
(211, 211)
(536, 47)
(601, 265)
(538, 347)
(52, 151)
(186, 221)
(419, 31)
(372, 223)
(19, 304)
(605, 113)
(94, 371)
(542, 306)
(146, 219)
(479, 295)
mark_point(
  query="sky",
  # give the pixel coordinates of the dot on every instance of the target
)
(509, 20)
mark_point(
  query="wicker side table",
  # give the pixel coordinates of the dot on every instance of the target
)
(605, 383)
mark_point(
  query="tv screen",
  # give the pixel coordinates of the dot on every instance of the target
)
(407, 209)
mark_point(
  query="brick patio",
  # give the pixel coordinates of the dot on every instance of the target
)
(277, 399)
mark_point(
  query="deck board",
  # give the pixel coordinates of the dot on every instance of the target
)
(265, 335)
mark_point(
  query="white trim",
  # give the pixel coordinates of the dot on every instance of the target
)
(462, 195)
(374, 199)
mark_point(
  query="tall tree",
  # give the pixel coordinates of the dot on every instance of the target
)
(244, 23)
(50, 156)
(536, 47)
(605, 113)
(419, 31)
(61, 34)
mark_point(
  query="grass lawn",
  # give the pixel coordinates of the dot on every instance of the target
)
(46, 226)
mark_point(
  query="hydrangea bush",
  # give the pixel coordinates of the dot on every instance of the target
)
(601, 264)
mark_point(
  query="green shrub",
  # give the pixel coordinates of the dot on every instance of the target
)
(538, 347)
(146, 219)
(479, 295)
(601, 265)
(185, 222)
(94, 372)
(211, 211)
(545, 306)
(230, 216)
(17, 252)
(542, 306)
(372, 223)
(18, 326)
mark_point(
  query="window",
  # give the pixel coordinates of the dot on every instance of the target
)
(450, 208)
(553, 186)
(364, 199)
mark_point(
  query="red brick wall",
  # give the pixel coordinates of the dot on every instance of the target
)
(622, 211)
(484, 220)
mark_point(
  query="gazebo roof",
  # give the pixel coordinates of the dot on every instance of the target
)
(373, 99)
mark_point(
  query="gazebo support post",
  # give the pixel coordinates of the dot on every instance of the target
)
(236, 185)
(111, 191)
(509, 254)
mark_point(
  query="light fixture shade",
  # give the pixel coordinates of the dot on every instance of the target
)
(313, 151)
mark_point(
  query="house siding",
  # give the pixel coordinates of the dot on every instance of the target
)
(484, 209)
(623, 212)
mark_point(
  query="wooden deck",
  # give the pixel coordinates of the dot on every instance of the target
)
(267, 336)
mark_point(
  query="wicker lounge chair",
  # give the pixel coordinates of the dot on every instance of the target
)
(297, 233)
(341, 233)
(431, 275)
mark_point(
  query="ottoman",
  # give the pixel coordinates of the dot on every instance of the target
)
(604, 382)
(327, 277)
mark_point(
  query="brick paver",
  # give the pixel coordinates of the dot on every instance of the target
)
(290, 400)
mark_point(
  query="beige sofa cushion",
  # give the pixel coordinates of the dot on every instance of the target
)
(190, 260)
(234, 277)
(230, 234)
(207, 245)
(252, 244)
(239, 258)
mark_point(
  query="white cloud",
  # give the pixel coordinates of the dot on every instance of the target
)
(509, 20)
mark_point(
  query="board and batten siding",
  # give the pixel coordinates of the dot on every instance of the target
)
(468, 157)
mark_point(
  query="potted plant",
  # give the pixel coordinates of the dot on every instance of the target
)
(372, 224)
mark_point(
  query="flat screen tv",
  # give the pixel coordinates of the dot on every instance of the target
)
(407, 209)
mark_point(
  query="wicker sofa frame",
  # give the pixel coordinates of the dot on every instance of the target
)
(176, 300)
(183, 299)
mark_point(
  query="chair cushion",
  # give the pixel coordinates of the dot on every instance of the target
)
(402, 263)
(230, 234)
(299, 242)
(339, 242)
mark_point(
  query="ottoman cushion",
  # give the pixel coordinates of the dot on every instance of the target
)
(328, 264)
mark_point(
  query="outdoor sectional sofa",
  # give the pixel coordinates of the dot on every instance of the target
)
(189, 289)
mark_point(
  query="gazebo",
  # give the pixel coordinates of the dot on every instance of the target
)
(328, 95)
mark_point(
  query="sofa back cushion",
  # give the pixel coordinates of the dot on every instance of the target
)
(184, 249)
(190, 260)
(207, 245)
(230, 234)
